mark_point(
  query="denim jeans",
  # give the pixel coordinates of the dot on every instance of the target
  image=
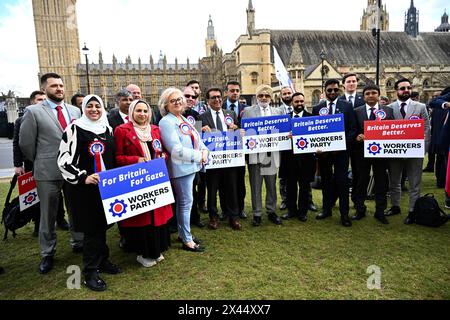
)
(182, 188)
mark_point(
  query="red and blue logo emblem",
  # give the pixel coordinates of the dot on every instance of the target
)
(191, 120)
(157, 145)
(96, 147)
(302, 143)
(324, 112)
(251, 144)
(118, 208)
(185, 128)
(229, 120)
(30, 198)
(380, 114)
(374, 148)
(414, 117)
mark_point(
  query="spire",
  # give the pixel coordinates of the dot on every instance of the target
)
(412, 21)
(210, 29)
(100, 57)
(250, 5)
(250, 19)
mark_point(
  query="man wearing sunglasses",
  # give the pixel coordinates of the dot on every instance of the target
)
(263, 166)
(334, 165)
(404, 109)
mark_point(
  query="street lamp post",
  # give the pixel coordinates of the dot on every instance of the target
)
(86, 52)
(322, 71)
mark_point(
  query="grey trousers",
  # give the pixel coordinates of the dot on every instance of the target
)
(49, 194)
(414, 173)
(256, 180)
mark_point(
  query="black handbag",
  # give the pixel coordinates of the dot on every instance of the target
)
(12, 217)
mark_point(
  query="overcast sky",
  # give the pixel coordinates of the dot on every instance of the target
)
(178, 28)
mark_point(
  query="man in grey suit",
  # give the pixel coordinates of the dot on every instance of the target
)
(405, 108)
(263, 166)
(42, 128)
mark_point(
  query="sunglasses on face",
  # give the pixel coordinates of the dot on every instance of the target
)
(332, 90)
(188, 96)
(267, 96)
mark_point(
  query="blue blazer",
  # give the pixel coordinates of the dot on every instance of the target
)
(184, 159)
(359, 100)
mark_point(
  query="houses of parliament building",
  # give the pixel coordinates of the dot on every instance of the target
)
(422, 57)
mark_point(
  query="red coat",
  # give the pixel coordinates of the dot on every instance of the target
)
(128, 151)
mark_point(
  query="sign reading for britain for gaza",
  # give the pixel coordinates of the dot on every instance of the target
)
(225, 149)
(324, 133)
(27, 191)
(394, 139)
(266, 134)
(129, 191)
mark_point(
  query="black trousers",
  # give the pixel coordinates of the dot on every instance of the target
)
(201, 188)
(381, 184)
(334, 172)
(441, 170)
(95, 251)
(224, 181)
(297, 194)
(195, 216)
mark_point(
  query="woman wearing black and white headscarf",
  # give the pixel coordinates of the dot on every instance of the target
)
(87, 147)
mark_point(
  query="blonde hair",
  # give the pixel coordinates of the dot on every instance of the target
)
(164, 100)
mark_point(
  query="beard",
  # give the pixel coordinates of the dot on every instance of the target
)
(54, 98)
(287, 101)
(299, 109)
(263, 104)
(404, 97)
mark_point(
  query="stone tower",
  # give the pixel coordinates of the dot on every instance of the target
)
(57, 40)
(369, 18)
(412, 21)
(250, 19)
(445, 26)
(211, 43)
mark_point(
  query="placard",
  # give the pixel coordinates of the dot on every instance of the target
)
(28, 195)
(225, 149)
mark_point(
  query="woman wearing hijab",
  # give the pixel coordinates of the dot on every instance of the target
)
(187, 156)
(137, 141)
(87, 147)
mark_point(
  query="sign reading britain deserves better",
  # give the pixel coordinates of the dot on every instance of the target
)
(266, 134)
(324, 133)
(225, 149)
(394, 139)
(129, 191)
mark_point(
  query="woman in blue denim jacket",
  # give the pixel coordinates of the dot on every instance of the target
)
(188, 155)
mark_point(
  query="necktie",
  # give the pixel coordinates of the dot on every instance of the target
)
(402, 110)
(296, 116)
(61, 119)
(330, 107)
(127, 118)
(232, 106)
(218, 122)
(350, 99)
(290, 109)
(372, 114)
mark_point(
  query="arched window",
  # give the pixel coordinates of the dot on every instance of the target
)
(426, 83)
(254, 76)
(390, 84)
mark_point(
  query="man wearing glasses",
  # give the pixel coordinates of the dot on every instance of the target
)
(232, 103)
(222, 180)
(263, 166)
(334, 165)
(404, 109)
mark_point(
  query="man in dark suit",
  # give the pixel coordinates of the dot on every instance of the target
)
(370, 112)
(350, 83)
(299, 170)
(336, 181)
(119, 115)
(232, 103)
(223, 180)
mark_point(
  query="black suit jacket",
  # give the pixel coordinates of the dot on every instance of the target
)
(359, 100)
(289, 162)
(361, 116)
(115, 119)
(344, 107)
(207, 118)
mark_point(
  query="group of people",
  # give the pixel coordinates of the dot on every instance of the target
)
(69, 145)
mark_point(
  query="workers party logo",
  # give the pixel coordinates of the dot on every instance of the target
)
(414, 117)
(302, 143)
(229, 120)
(251, 144)
(374, 148)
(185, 128)
(30, 198)
(324, 112)
(118, 208)
(191, 120)
(157, 145)
(96, 147)
(380, 114)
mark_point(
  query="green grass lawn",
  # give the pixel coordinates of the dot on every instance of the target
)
(312, 260)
